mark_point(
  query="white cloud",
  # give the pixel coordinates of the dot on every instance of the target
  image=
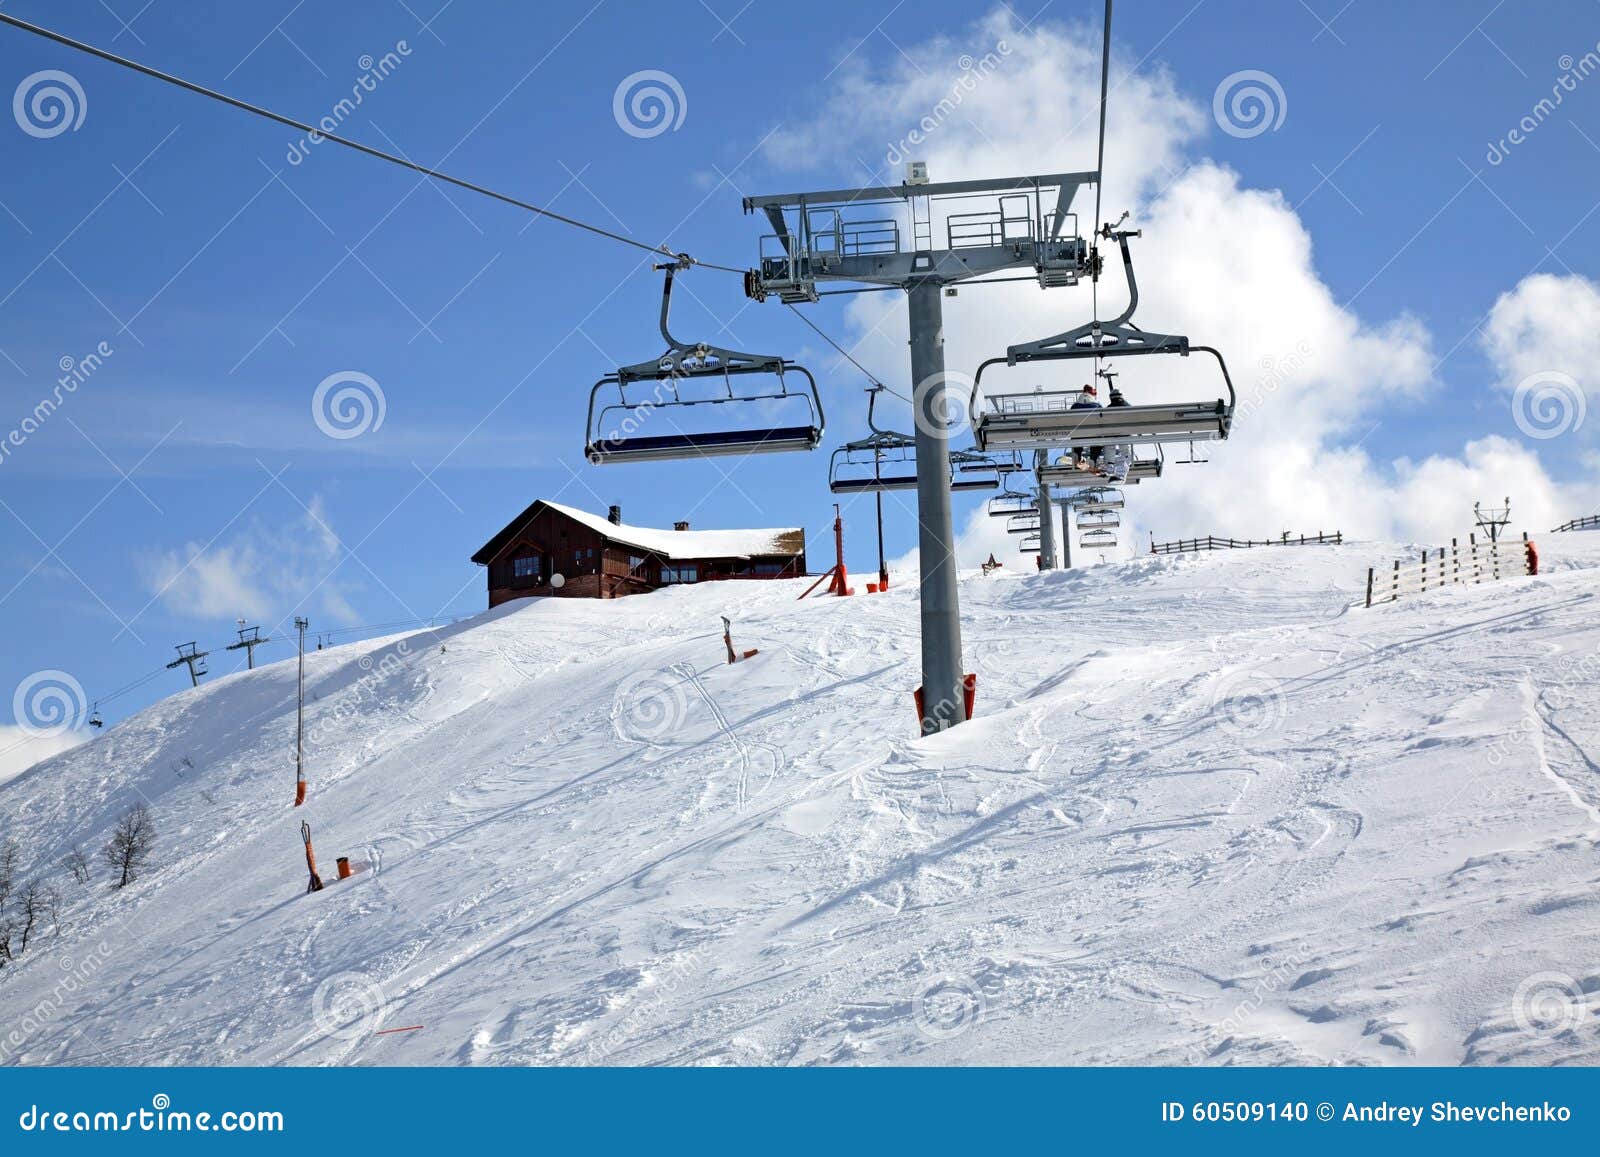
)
(1229, 265)
(20, 749)
(1546, 323)
(260, 573)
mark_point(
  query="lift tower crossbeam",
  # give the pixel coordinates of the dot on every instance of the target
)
(885, 235)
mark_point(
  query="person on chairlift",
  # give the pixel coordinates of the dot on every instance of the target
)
(1088, 401)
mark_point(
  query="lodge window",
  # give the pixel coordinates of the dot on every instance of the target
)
(680, 574)
(768, 568)
(528, 566)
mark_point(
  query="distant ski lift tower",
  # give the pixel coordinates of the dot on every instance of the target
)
(195, 660)
(885, 235)
(1493, 521)
(249, 639)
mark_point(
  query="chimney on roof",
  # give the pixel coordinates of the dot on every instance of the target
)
(615, 516)
(680, 526)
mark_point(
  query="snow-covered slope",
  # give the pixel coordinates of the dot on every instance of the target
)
(1207, 813)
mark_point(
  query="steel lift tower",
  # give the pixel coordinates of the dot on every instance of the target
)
(923, 237)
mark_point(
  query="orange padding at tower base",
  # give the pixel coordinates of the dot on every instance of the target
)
(299, 792)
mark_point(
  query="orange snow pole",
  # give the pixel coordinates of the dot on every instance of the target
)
(344, 867)
(311, 859)
(1533, 555)
(299, 792)
(841, 579)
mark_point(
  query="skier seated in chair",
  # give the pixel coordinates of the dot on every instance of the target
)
(1088, 401)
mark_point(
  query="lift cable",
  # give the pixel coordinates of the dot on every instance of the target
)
(870, 376)
(683, 260)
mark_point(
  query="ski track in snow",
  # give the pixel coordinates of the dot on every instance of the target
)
(1208, 813)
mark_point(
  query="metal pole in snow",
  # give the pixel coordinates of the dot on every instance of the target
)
(300, 717)
(943, 686)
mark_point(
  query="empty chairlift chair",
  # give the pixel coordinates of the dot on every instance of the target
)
(1092, 538)
(887, 460)
(1023, 524)
(1009, 502)
(702, 380)
(1098, 519)
(1056, 419)
(1029, 545)
(1097, 498)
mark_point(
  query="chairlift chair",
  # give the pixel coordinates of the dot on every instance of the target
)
(972, 471)
(1029, 545)
(1023, 524)
(1098, 498)
(613, 427)
(1098, 519)
(1046, 419)
(874, 464)
(1097, 538)
(1010, 502)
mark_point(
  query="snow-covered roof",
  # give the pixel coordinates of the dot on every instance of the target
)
(671, 544)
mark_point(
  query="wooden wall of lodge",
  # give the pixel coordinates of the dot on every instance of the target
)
(607, 573)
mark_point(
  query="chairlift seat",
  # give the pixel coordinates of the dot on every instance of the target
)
(711, 444)
(1047, 421)
(1097, 538)
(1029, 545)
(1098, 519)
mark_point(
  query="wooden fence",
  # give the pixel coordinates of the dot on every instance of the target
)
(1481, 562)
(1587, 522)
(1187, 545)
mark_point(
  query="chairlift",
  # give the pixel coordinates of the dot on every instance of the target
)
(613, 427)
(1029, 545)
(1098, 498)
(1098, 519)
(972, 471)
(1009, 502)
(94, 717)
(1097, 538)
(1023, 524)
(1053, 419)
(887, 460)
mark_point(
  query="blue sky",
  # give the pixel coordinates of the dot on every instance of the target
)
(185, 481)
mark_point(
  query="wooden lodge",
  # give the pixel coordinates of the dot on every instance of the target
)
(551, 549)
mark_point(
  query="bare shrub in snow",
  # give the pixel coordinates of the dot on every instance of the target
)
(130, 844)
